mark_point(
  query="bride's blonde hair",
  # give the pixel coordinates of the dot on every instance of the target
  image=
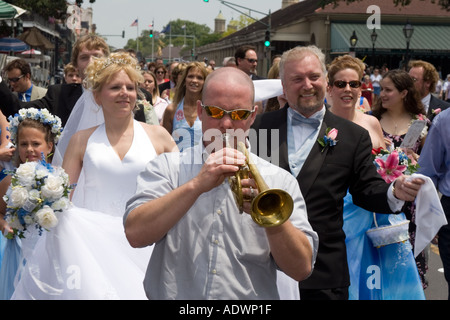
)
(100, 70)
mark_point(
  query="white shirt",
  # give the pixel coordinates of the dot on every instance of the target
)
(426, 102)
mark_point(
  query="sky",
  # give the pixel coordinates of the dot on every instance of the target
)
(113, 16)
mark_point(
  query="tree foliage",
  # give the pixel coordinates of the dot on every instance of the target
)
(201, 34)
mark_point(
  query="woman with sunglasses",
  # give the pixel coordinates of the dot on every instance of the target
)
(400, 282)
(344, 92)
(180, 117)
(160, 73)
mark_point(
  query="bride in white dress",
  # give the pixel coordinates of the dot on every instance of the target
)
(87, 255)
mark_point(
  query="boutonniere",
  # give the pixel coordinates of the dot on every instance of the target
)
(329, 139)
(436, 111)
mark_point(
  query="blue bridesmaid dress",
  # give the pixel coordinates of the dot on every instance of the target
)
(10, 257)
(388, 272)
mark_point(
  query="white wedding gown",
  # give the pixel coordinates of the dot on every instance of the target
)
(87, 256)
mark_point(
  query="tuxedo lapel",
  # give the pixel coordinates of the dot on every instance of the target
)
(283, 152)
(313, 162)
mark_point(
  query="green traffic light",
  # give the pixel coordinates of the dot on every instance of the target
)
(151, 34)
(267, 39)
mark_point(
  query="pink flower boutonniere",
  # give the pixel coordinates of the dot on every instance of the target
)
(329, 139)
(436, 111)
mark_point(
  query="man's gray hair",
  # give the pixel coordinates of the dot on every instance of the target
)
(300, 52)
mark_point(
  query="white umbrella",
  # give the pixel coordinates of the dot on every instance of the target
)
(30, 52)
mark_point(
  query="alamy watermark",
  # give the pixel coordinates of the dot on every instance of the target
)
(374, 21)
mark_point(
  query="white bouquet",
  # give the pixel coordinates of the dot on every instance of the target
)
(37, 192)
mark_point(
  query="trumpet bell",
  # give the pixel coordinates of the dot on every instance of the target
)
(272, 207)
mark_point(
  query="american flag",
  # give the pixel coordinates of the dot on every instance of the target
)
(135, 23)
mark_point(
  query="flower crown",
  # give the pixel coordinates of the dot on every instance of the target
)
(42, 115)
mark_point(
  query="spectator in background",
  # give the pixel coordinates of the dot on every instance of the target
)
(229, 62)
(71, 74)
(446, 89)
(180, 117)
(149, 84)
(212, 64)
(375, 78)
(276, 59)
(166, 88)
(247, 61)
(151, 66)
(367, 89)
(18, 73)
(160, 72)
(425, 78)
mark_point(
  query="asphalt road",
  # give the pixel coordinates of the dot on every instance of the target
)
(437, 286)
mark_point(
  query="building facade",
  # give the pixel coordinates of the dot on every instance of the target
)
(330, 28)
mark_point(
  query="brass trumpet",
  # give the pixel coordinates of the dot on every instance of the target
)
(271, 207)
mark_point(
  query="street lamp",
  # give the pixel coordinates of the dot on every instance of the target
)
(353, 42)
(408, 31)
(374, 39)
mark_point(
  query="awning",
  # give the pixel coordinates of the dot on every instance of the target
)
(426, 38)
(7, 11)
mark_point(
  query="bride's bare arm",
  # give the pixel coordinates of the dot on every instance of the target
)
(73, 158)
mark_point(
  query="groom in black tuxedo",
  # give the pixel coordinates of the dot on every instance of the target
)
(325, 173)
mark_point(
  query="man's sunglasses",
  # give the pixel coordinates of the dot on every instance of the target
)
(342, 84)
(15, 79)
(218, 113)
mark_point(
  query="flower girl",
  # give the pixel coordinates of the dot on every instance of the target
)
(34, 133)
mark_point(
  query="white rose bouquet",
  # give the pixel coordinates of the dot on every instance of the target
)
(37, 192)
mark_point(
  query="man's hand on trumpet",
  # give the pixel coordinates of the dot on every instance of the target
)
(219, 165)
(249, 191)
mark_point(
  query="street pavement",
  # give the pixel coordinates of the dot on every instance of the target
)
(437, 286)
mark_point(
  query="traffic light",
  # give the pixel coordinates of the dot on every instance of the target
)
(205, 0)
(151, 34)
(267, 39)
(123, 33)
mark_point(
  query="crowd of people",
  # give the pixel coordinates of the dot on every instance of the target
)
(154, 212)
